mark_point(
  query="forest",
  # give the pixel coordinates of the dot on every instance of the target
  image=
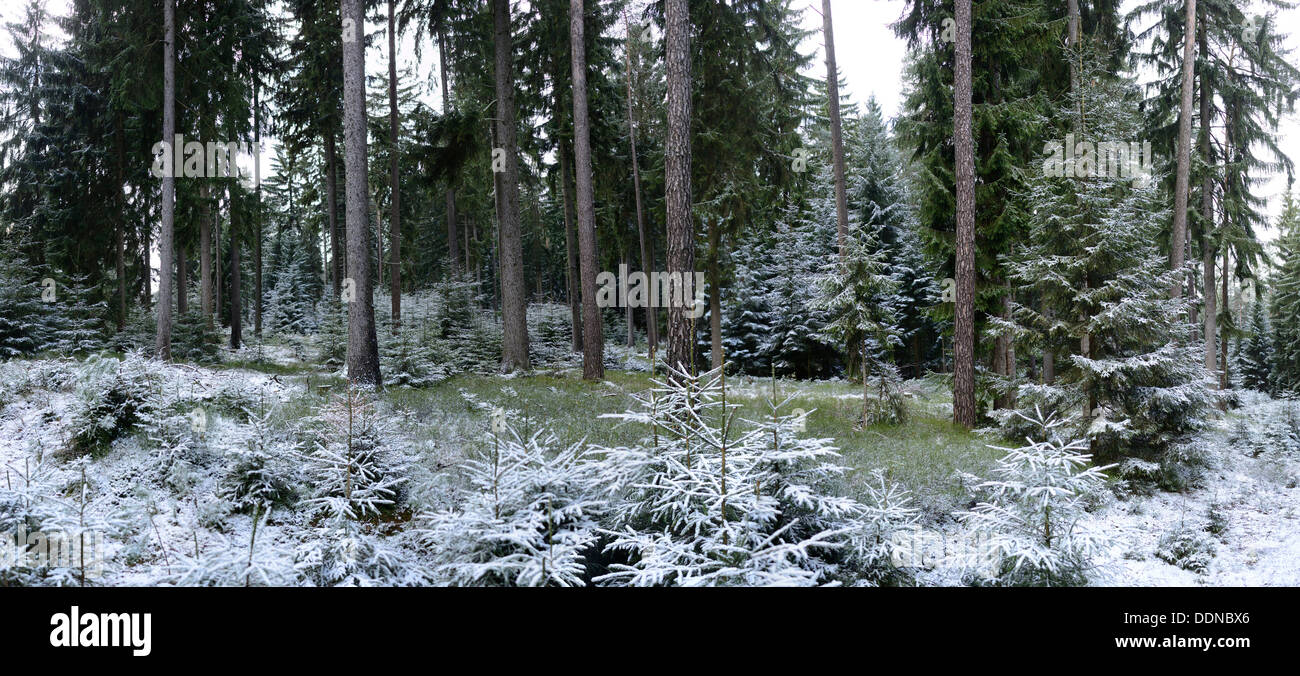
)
(648, 293)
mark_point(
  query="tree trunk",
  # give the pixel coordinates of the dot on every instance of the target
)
(257, 182)
(332, 207)
(1182, 177)
(1207, 218)
(572, 272)
(514, 304)
(646, 242)
(182, 281)
(837, 136)
(205, 253)
(677, 176)
(236, 287)
(715, 295)
(363, 347)
(1223, 344)
(593, 343)
(119, 229)
(146, 265)
(453, 239)
(163, 338)
(395, 217)
(963, 397)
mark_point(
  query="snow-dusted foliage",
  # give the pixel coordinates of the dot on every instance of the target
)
(113, 396)
(1030, 516)
(528, 517)
(256, 476)
(1096, 286)
(708, 499)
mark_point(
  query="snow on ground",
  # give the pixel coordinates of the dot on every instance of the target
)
(1254, 497)
(1239, 526)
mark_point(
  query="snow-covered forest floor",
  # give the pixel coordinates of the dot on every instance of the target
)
(159, 487)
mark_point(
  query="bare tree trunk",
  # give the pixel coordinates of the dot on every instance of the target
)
(1223, 344)
(963, 397)
(677, 176)
(331, 205)
(163, 339)
(182, 282)
(119, 229)
(453, 239)
(1182, 177)
(236, 287)
(514, 304)
(837, 136)
(715, 294)
(146, 265)
(572, 272)
(257, 182)
(395, 219)
(647, 243)
(205, 253)
(593, 341)
(363, 346)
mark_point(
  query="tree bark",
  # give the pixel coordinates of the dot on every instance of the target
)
(837, 136)
(331, 205)
(257, 182)
(514, 303)
(236, 286)
(593, 341)
(453, 239)
(1182, 177)
(646, 242)
(363, 346)
(572, 271)
(677, 176)
(205, 254)
(163, 338)
(395, 217)
(182, 280)
(715, 294)
(963, 398)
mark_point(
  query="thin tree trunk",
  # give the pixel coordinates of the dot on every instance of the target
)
(257, 182)
(163, 339)
(593, 342)
(205, 253)
(395, 219)
(837, 136)
(182, 282)
(964, 325)
(453, 239)
(363, 346)
(1182, 177)
(715, 294)
(572, 272)
(646, 242)
(119, 229)
(677, 176)
(146, 266)
(236, 287)
(514, 304)
(331, 206)
(1223, 344)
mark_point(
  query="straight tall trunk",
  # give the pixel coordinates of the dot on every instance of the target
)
(1183, 176)
(715, 294)
(395, 217)
(646, 242)
(205, 254)
(1223, 344)
(182, 282)
(593, 341)
(363, 346)
(837, 136)
(453, 239)
(514, 303)
(963, 397)
(677, 177)
(1207, 219)
(572, 272)
(163, 338)
(331, 206)
(236, 288)
(257, 182)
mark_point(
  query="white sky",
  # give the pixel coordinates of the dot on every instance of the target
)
(869, 56)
